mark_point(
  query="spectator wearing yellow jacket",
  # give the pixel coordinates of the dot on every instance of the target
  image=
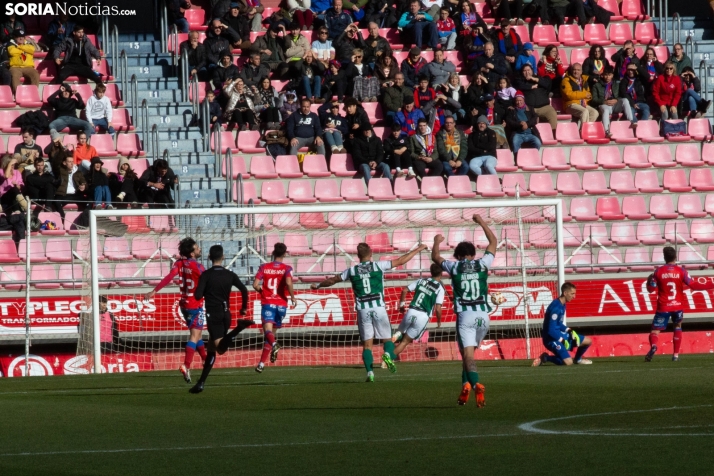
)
(21, 61)
(575, 91)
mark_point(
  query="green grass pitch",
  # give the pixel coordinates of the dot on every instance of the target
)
(618, 416)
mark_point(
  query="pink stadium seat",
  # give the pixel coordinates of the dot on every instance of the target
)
(690, 206)
(509, 185)
(374, 111)
(309, 265)
(315, 166)
(433, 188)
(608, 208)
(541, 236)
(598, 233)
(449, 217)
(557, 104)
(635, 208)
(59, 250)
(660, 156)
(569, 183)
(263, 167)
(610, 261)
(55, 218)
(37, 251)
(128, 275)
(544, 35)
(570, 35)
(459, 186)
(8, 252)
(71, 276)
(691, 258)
(648, 131)
(273, 193)
(595, 183)
(523, 33)
(677, 232)
(622, 133)
(510, 235)
(638, 259)
(701, 179)
(567, 133)
(324, 243)
(594, 133)
(578, 55)
(122, 123)
(353, 190)
(595, 34)
(312, 220)
(28, 95)
(504, 264)
(406, 189)
(622, 181)
(300, 191)
(633, 10)
(709, 204)
(688, 155)
(249, 192)
(196, 18)
(341, 219)
(662, 207)
(489, 186)
(13, 278)
(369, 219)
(635, 157)
(456, 236)
(581, 262)
(549, 212)
(531, 261)
(379, 242)
(623, 234)
(2, 145)
(582, 158)
(700, 129)
(702, 231)
(104, 143)
(327, 191)
(541, 185)
(505, 161)
(129, 145)
(6, 99)
(380, 189)
(707, 151)
(647, 181)
(117, 248)
(546, 136)
(609, 157)
(583, 209)
(348, 241)
(404, 239)
(529, 159)
(613, 7)
(342, 166)
(676, 181)
(297, 244)
(554, 159)
(248, 142)
(662, 52)
(238, 167)
(646, 33)
(287, 166)
(227, 142)
(620, 33)
(143, 247)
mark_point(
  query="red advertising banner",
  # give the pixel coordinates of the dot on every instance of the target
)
(72, 364)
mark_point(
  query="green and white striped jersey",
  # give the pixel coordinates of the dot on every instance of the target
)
(367, 281)
(427, 293)
(469, 281)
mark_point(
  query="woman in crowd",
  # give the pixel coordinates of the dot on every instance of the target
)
(335, 127)
(455, 97)
(595, 63)
(650, 69)
(123, 183)
(386, 69)
(98, 183)
(335, 82)
(239, 108)
(311, 73)
(551, 65)
(11, 184)
(692, 102)
(667, 91)
(365, 86)
(267, 104)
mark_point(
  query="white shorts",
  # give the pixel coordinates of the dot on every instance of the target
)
(471, 328)
(414, 323)
(373, 324)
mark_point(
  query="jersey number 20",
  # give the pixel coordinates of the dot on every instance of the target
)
(471, 290)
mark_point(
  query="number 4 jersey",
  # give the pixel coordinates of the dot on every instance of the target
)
(367, 281)
(669, 281)
(469, 281)
(274, 289)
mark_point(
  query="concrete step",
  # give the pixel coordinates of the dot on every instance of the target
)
(133, 47)
(144, 83)
(173, 146)
(195, 171)
(152, 71)
(145, 59)
(204, 158)
(202, 196)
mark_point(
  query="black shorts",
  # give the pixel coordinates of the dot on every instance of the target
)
(218, 324)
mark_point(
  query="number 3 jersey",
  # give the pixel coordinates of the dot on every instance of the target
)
(367, 281)
(427, 294)
(189, 271)
(274, 290)
(668, 281)
(469, 281)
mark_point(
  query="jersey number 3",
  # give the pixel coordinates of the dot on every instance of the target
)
(673, 291)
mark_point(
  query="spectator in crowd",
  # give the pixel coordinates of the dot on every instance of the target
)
(335, 127)
(375, 47)
(430, 103)
(412, 67)
(280, 19)
(365, 85)
(432, 7)
(576, 94)
(8, 26)
(177, 14)
(21, 61)
(650, 69)
(475, 94)
(254, 71)
(311, 72)
(424, 152)
(521, 120)
(196, 56)
(123, 183)
(633, 90)
(322, 48)
(536, 90)
(83, 152)
(336, 80)
(398, 149)
(386, 70)
(319, 9)
(606, 97)
(446, 29)
(269, 46)
(440, 69)
(452, 147)
(11, 184)
(336, 20)
(240, 24)
(416, 24)
(266, 103)
(28, 149)
(219, 38)
(395, 96)
(78, 54)
(215, 113)
(667, 92)
(239, 107)
(551, 66)
(5, 76)
(99, 110)
(408, 117)
(496, 121)
(39, 186)
(691, 100)
(355, 8)
(482, 148)
(300, 10)
(347, 42)
(58, 30)
(368, 155)
(559, 9)
(379, 12)
(156, 184)
(595, 64)
(508, 43)
(227, 70)
(591, 13)
(357, 121)
(253, 11)
(65, 102)
(295, 44)
(491, 64)
(219, 9)
(303, 129)
(525, 57)
(56, 151)
(505, 94)
(469, 24)
(680, 59)
(455, 97)
(70, 186)
(508, 10)
(625, 56)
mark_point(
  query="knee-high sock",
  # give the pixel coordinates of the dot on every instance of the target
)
(267, 345)
(553, 359)
(207, 366)
(201, 349)
(464, 377)
(190, 351)
(473, 378)
(581, 351)
(677, 340)
(389, 349)
(368, 359)
(654, 338)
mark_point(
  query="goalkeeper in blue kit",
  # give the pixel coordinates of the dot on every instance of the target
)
(558, 337)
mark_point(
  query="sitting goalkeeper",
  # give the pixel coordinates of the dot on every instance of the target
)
(559, 338)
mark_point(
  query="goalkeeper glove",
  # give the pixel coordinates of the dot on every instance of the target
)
(566, 344)
(575, 338)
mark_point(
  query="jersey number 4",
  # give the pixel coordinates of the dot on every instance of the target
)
(471, 290)
(272, 284)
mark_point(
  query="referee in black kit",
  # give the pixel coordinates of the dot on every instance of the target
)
(215, 286)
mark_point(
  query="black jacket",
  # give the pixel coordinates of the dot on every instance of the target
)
(252, 75)
(344, 46)
(482, 143)
(474, 97)
(370, 51)
(39, 181)
(639, 89)
(221, 74)
(619, 59)
(500, 68)
(216, 45)
(65, 106)
(391, 144)
(239, 24)
(215, 285)
(366, 150)
(339, 121)
(537, 97)
(514, 124)
(168, 180)
(361, 118)
(196, 57)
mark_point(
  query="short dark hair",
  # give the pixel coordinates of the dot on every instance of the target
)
(567, 286)
(100, 88)
(102, 299)
(215, 253)
(303, 100)
(350, 101)
(29, 131)
(608, 70)
(464, 249)
(444, 9)
(363, 250)
(77, 28)
(422, 121)
(279, 250)
(185, 247)
(38, 160)
(423, 77)
(161, 164)
(670, 254)
(435, 270)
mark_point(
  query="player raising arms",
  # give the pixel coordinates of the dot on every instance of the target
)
(272, 281)
(668, 281)
(469, 281)
(428, 296)
(189, 270)
(559, 338)
(367, 279)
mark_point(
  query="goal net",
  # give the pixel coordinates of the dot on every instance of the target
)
(132, 250)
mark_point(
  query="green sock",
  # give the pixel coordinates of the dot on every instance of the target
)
(368, 359)
(389, 349)
(464, 377)
(473, 378)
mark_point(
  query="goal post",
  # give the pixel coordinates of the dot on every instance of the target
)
(529, 268)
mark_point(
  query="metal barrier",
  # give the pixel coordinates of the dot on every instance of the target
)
(155, 142)
(123, 70)
(134, 90)
(115, 43)
(217, 142)
(239, 190)
(675, 16)
(228, 161)
(689, 47)
(174, 46)
(183, 64)
(194, 92)
(206, 126)
(164, 26)
(145, 126)
(704, 78)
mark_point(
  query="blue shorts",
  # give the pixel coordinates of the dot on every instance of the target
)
(558, 349)
(195, 318)
(661, 319)
(273, 313)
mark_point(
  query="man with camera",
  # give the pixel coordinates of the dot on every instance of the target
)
(65, 101)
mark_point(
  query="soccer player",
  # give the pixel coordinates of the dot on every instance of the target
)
(559, 338)
(367, 279)
(428, 296)
(469, 281)
(668, 281)
(189, 270)
(272, 281)
(215, 286)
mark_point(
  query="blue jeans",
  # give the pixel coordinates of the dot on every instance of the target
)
(449, 170)
(382, 170)
(181, 25)
(103, 125)
(102, 195)
(487, 162)
(692, 99)
(312, 90)
(642, 110)
(333, 138)
(73, 123)
(522, 138)
(421, 28)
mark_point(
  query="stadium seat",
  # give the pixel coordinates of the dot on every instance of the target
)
(613, 7)
(341, 219)
(404, 239)
(324, 243)
(511, 236)
(549, 212)
(116, 248)
(568, 183)
(238, 167)
(315, 166)
(505, 161)
(709, 204)
(28, 95)
(646, 34)
(327, 191)
(529, 159)
(297, 244)
(622, 181)
(6, 99)
(37, 251)
(635, 208)
(570, 35)
(273, 193)
(406, 189)
(701, 179)
(71, 276)
(509, 185)
(544, 35)
(287, 167)
(554, 159)
(609, 157)
(379, 242)
(249, 193)
(55, 218)
(582, 158)
(702, 231)
(690, 206)
(707, 151)
(676, 181)
(300, 191)
(546, 136)
(447, 217)
(623, 234)
(353, 190)
(459, 186)
(688, 155)
(7, 121)
(8, 252)
(595, 34)
(541, 236)
(635, 157)
(647, 181)
(662, 207)
(196, 18)
(691, 257)
(489, 186)
(660, 156)
(677, 232)
(348, 241)
(594, 133)
(263, 167)
(622, 133)
(380, 189)
(309, 265)
(104, 143)
(142, 247)
(608, 208)
(121, 120)
(700, 129)
(504, 264)
(633, 10)
(583, 209)
(227, 142)
(578, 55)
(13, 277)
(638, 259)
(341, 165)
(610, 261)
(128, 275)
(312, 220)
(648, 131)
(2, 144)
(433, 188)
(59, 250)
(620, 33)
(568, 133)
(541, 185)
(248, 142)
(374, 111)
(129, 145)
(595, 183)
(598, 233)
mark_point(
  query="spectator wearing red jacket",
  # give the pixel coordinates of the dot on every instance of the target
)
(667, 91)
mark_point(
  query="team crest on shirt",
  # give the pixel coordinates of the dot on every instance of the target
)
(470, 267)
(364, 268)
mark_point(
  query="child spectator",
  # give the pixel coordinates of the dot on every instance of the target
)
(447, 30)
(526, 57)
(290, 104)
(335, 128)
(99, 110)
(505, 93)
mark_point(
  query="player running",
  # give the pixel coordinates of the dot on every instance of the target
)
(428, 296)
(559, 338)
(668, 281)
(367, 279)
(272, 281)
(189, 270)
(469, 281)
